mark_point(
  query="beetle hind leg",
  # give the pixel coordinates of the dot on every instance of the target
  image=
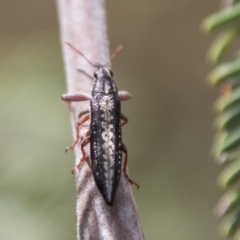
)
(124, 149)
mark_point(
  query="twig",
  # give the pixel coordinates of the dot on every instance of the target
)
(82, 23)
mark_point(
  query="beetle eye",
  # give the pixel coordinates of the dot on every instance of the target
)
(111, 73)
(95, 75)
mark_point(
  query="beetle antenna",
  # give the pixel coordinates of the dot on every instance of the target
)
(76, 50)
(115, 53)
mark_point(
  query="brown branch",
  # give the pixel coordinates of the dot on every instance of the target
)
(82, 23)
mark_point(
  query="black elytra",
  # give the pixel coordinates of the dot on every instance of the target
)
(106, 135)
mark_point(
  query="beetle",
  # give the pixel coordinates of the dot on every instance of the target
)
(105, 134)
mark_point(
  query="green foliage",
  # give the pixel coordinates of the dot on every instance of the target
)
(227, 141)
(222, 18)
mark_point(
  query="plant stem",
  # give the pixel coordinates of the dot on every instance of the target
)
(83, 24)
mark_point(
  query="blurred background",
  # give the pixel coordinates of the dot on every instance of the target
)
(169, 134)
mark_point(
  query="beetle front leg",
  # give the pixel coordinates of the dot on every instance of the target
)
(124, 96)
(81, 121)
(74, 97)
(124, 149)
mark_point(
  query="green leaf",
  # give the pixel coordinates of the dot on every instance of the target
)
(229, 175)
(224, 71)
(221, 43)
(218, 142)
(228, 120)
(231, 225)
(221, 18)
(226, 158)
(231, 141)
(226, 102)
(235, 80)
(229, 202)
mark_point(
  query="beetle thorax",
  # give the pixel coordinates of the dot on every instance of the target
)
(104, 83)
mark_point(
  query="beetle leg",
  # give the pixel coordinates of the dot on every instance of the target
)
(124, 118)
(84, 158)
(82, 120)
(124, 149)
(124, 96)
(74, 97)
